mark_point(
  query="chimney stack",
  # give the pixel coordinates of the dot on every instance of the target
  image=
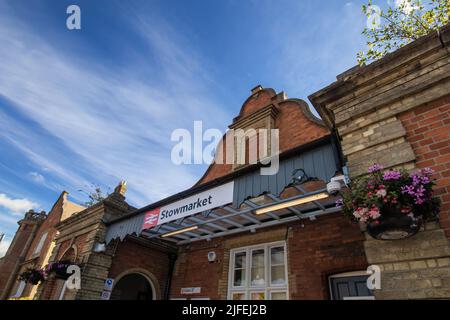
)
(257, 89)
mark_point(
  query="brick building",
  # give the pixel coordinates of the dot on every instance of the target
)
(32, 246)
(396, 112)
(240, 234)
(282, 254)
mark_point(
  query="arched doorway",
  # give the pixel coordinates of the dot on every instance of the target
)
(133, 286)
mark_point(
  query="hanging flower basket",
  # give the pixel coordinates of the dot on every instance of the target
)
(58, 269)
(391, 205)
(33, 276)
(393, 225)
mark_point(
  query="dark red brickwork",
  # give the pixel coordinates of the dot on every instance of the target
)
(330, 245)
(315, 250)
(15, 251)
(428, 131)
(47, 226)
(297, 126)
(133, 257)
(194, 270)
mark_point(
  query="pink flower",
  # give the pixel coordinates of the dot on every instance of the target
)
(374, 213)
(427, 171)
(381, 193)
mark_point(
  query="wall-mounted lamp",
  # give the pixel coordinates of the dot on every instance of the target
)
(299, 176)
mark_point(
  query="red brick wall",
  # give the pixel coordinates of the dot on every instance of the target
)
(131, 255)
(295, 129)
(13, 254)
(428, 131)
(255, 102)
(54, 216)
(194, 270)
(329, 245)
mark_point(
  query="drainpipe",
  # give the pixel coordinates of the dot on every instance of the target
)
(336, 144)
(439, 34)
(172, 260)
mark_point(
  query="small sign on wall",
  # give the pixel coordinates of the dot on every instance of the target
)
(192, 290)
(105, 295)
(108, 284)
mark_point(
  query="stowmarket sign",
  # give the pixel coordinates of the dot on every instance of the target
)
(206, 200)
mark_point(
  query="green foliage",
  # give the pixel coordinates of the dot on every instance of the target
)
(95, 195)
(400, 24)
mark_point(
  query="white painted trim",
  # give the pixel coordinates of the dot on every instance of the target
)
(350, 274)
(20, 288)
(63, 290)
(360, 298)
(247, 289)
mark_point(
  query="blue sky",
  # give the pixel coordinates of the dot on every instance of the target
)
(98, 105)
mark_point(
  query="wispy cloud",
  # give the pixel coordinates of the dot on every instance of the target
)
(16, 206)
(114, 124)
(312, 46)
(37, 177)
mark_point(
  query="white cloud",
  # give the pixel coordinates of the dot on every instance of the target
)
(37, 177)
(407, 6)
(16, 206)
(116, 125)
(4, 245)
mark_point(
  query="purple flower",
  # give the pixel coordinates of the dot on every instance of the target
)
(375, 168)
(339, 203)
(391, 175)
(427, 171)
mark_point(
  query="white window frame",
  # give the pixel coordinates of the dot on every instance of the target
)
(247, 289)
(40, 244)
(20, 288)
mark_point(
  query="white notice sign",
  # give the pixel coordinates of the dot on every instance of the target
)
(206, 200)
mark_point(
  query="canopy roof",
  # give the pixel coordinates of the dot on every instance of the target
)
(252, 192)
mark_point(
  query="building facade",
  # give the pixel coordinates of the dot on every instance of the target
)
(396, 112)
(241, 234)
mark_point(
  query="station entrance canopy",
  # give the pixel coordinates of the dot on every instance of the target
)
(238, 203)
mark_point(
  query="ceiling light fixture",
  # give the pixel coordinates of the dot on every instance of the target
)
(172, 233)
(292, 203)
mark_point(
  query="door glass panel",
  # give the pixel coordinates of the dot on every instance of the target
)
(257, 274)
(277, 270)
(238, 296)
(350, 287)
(277, 255)
(258, 296)
(278, 296)
(239, 269)
(277, 275)
(239, 278)
(239, 260)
